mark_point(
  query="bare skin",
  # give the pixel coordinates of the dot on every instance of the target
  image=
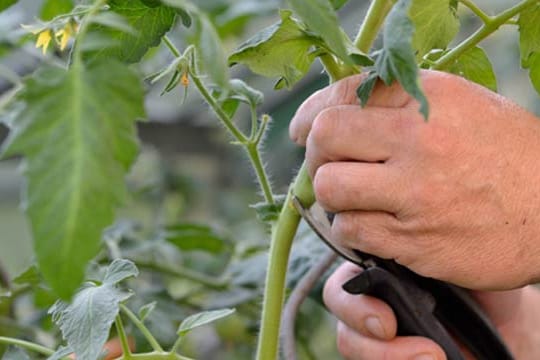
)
(454, 198)
(515, 313)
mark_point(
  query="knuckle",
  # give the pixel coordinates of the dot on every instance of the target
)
(344, 91)
(323, 185)
(323, 126)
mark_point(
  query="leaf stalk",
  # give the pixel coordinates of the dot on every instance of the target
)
(142, 328)
(483, 32)
(27, 345)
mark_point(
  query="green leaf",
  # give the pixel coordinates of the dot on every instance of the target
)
(15, 353)
(269, 212)
(474, 65)
(211, 57)
(338, 4)
(190, 237)
(146, 310)
(203, 318)
(435, 25)
(365, 89)
(30, 276)
(87, 321)
(120, 269)
(397, 60)
(245, 93)
(534, 72)
(320, 17)
(61, 353)
(529, 33)
(78, 146)
(4, 4)
(282, 50)
(114, 21)
(52, 8)
(151, 24)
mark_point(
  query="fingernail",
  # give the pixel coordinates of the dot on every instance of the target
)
(374, 326)
(424, 356)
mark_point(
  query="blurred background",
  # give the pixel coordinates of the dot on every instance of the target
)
(187, 170)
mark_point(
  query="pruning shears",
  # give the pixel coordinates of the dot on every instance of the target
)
(423, 306)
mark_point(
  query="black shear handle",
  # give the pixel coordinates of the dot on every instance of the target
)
(428, 307)
(412, 306)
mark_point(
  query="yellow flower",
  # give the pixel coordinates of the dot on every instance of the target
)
(43, 40)
(65, 34)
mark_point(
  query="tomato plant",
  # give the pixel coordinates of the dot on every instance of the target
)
(73, 120)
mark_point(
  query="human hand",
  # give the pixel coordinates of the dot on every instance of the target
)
(367, 326)
(453, 198)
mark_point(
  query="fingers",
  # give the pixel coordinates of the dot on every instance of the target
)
(345, 186)
(367, 327)
(372, 232)
(350, 132)
(365, 314)
(343, 92)
(355, 346)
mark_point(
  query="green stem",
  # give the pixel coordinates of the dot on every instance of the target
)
(274, 294)
(176, 344)
(254, 125)
(83, 29)
(171, 46)
(27, 345)
(247, 143)
(255, 158)
(482, 33)
(370, 27)
(156, 356)
(286, 226)
(334, 69)
(126, 351)
(142, 328)
(184, 273)
(477, 11)
(225, 119)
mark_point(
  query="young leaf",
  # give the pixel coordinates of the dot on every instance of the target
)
(366, 88)
(78, 146)
(529, 34)
(30, 276)
(146, 310)
(210, 54)
(120, 269)
(269, 213)
(435, 25)
(475, 66)
(189, 237)
(86, 322)
(200, 319)
(397, 60)
(151, 24)
(320, 17)
(338, 4)
(282, 50)
(52, 8)
(534, 72)
(15, 353)
(4, 4)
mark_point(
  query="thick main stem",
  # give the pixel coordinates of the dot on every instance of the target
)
(282, 236)
(374, 19)
(285, 229)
